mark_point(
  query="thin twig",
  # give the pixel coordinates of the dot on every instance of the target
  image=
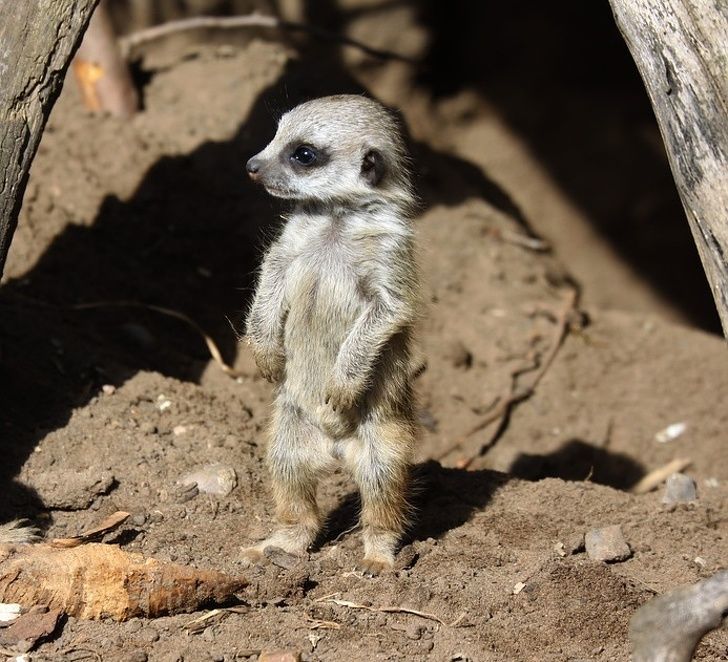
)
(78, 649)
(141, 37)
(515, 394)
(393, 610)
(318, 624)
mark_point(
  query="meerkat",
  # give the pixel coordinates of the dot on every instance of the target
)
(333, 316)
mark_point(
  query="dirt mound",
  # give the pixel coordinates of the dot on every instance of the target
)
(158, 211)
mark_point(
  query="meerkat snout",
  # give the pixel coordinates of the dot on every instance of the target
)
(253, 167)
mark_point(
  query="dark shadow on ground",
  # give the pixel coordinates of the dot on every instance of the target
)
(189, 239)
(578, 460)
(442, 499)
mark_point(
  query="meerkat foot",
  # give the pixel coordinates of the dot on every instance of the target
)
(371, 566)
(250, 556)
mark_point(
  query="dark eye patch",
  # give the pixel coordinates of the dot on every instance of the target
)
(304, 156)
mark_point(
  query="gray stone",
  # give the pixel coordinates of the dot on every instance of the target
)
(607, 544)
(679, 489)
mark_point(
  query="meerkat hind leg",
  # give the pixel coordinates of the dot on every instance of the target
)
(380, 464)
(297, 456)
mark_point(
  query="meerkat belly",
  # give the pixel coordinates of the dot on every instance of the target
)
(324, 303)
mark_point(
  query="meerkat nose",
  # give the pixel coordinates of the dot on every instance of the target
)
(253, 167)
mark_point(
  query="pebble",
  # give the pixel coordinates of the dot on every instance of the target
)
(215, 478)
(108, 389)
(607, 544)
(281, 558)
(415, 631)
(679, 489)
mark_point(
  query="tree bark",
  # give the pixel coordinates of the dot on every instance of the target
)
(681, 50)
(37, 40)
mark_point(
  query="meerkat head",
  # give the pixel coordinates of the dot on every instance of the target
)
(343, 148)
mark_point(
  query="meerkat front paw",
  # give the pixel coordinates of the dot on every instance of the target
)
(342, 395)
(271, 364)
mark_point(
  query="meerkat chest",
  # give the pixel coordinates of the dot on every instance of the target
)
(325, 274)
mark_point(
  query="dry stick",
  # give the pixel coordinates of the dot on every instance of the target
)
(211, 346)
(505, 403)
(654, 478)
(394, 610)
(136, 39)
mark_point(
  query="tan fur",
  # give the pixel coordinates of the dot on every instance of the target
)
(18, 532)
(332, 320)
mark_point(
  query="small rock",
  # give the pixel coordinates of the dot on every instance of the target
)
(73, 490)
(281, 558)
(29, 628)
(607, 544)
(148, 635)
(163, 402)
(147, 427)
(518, 588)
(671, 432)
(679, 489)
(139, 519)
(574, 543)
(186, 492)
(178, 430)
(108, 389)
(414, 631)
(279, 656)
(215, 478)
(457, 354)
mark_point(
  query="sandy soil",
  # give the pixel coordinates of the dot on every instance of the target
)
(157, 211)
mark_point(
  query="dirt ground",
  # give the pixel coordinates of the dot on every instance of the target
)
(158, 211)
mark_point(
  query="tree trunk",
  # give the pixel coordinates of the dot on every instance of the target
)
(681, 50)
(37, 40)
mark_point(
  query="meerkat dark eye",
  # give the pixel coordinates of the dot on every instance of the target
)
(304, 155)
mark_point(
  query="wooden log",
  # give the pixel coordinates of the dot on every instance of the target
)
(679, 47)
(37, 41)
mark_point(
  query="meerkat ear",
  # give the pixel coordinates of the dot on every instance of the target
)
(372, 167)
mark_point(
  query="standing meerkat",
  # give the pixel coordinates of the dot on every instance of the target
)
(333, 317)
